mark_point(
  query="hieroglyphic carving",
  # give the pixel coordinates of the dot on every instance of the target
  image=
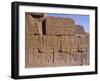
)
(63, 44)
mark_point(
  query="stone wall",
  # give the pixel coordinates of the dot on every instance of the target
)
(58, 21)
(46, 50)
(65, 44)
(33, 25)
(68, 30)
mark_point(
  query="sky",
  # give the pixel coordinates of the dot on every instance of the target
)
(82, 20)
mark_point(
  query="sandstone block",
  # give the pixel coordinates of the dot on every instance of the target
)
(37, 59)
(49, 59)
(79, 29)
(76, 58)
(80, 58)
(31, 50)
(32, 26)
(69, 30)
(30, 60)
(72, 60)
(65, 44)
(52, 43)
(42, 44)
(61, 58)
(73, 43)
(32, 41)
(85, 58)
(26, 60)
(83, 43)
(50, 30)
(28, 24)
(78, 62)
(43, 59)
(66, 30)
(57, 21)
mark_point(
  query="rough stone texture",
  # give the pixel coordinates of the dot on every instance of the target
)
(56, 50)
(61, 58)
(54, 41)
(67, 30)
(33, 25)
(65, 43)
(32, 41)
(58, 21)
(83, 43)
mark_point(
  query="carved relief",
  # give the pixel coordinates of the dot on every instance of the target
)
(54, 41)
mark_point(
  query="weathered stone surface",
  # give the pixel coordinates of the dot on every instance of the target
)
(76, 58)
(80, 58)
(58, 21)
(57, 50)
(85, 58)
(29, 60)
(50, 30)
(79, 29)
(53, 41)
(49, 58)
(39, 59)
(49, 43)
(73, 43)
(31, 50)
(65, 43)
(67, 30)
(32, 41)
(42, 45)
(83, 43)
(29, 25)
(33, 25)
(61, 58)
(69, 43)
